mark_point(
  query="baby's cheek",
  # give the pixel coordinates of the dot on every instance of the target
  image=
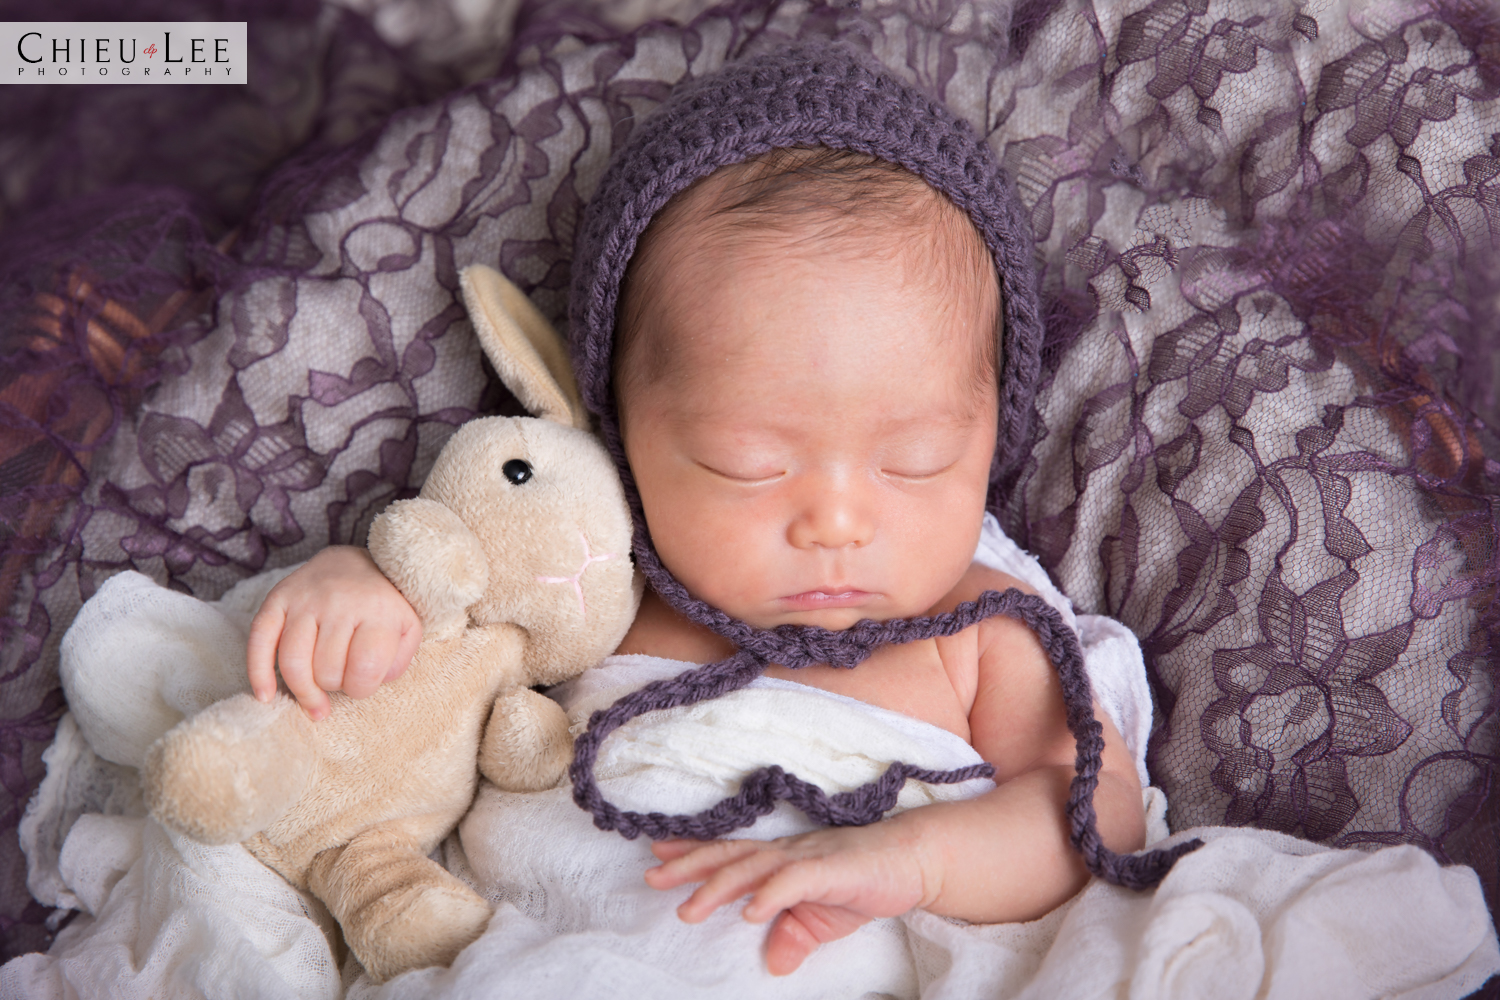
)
(718, 553)
(938, 548)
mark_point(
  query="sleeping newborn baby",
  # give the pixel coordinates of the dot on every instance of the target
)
(807, 382)
(806, 377)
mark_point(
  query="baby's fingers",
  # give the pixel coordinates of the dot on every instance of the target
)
(812, 879)
(694, 860)
(857, 883)
(800, 931)
(294, 656)
(370, 659)
(671, 850)
(788, 944)
(260, 650)
(406, 647)
(331, 654)
(731, 882)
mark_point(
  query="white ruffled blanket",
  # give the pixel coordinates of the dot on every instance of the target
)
(1251, 914)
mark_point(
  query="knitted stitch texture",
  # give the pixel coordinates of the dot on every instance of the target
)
(810, 95)
(805, 95)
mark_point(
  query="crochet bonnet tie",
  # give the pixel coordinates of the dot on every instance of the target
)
(819, 95)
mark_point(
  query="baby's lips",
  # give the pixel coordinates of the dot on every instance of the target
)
(813, 600)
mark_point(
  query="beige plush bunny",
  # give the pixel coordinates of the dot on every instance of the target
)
(516, 556)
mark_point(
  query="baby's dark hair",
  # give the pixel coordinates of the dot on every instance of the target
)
(813, 196)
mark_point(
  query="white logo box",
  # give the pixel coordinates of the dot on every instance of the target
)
(138, 52)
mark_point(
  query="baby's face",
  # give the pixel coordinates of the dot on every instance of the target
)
(818, 448)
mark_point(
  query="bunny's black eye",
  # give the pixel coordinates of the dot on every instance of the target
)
(516, 471)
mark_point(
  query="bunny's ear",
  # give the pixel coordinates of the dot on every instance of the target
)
(525, 350)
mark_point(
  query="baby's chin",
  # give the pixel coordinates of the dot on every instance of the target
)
(835, 620)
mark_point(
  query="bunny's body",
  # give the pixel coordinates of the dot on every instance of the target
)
(349, 808)
(516, 557)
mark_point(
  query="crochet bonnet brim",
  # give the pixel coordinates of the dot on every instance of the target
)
(820, 94)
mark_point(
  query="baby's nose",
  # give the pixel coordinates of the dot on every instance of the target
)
(832, 520)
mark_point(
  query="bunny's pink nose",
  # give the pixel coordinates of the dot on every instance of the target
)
(577, 578)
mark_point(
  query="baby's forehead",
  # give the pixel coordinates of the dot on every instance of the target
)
(863, 311)
(806, 191)
(779, 212)
(780, 216)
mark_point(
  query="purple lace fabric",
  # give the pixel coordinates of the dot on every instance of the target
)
(1267, 234)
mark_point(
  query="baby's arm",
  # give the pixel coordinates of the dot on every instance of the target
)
(1002, 857)
(335, 624)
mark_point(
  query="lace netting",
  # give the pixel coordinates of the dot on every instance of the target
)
(1269, 235)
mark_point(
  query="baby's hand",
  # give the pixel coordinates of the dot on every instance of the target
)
(335, 624)
(824, 885)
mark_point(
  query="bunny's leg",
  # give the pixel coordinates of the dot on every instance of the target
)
(399, 909)
(526, 746)
(231, 770)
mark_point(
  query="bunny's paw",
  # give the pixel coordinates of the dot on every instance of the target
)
(230, 771)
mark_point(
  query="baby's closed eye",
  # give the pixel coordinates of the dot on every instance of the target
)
(748, 472)
(923, 449)
(919, 460)
(916, 471)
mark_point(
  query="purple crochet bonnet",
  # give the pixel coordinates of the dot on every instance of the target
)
(804, 95)
(818, 94)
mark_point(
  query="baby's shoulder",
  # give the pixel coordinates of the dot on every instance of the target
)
(969, 655)
(1007, 654)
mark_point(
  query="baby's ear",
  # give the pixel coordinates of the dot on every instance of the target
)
(529, 356)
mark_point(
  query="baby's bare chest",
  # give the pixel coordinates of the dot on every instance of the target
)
(933, 680)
